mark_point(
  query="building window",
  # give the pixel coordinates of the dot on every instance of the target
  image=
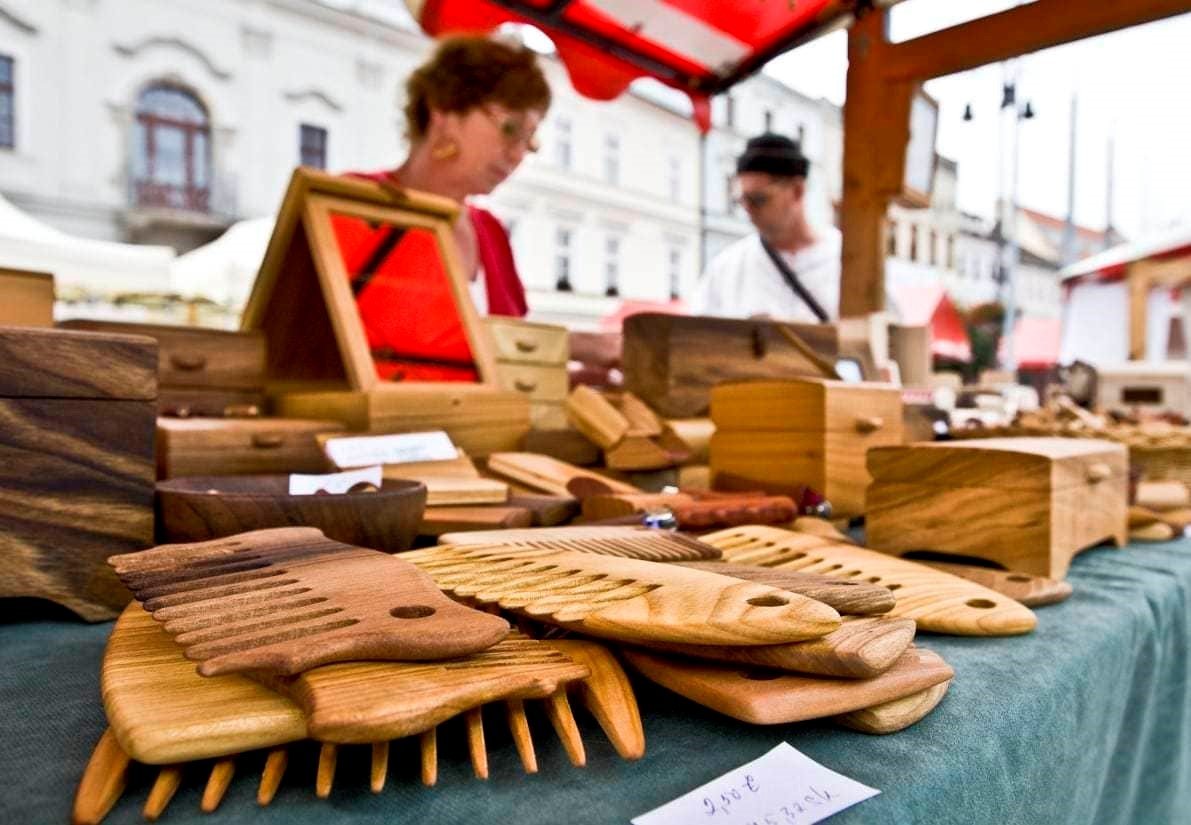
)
(730, 204)
(172, 150)
(933, 252)
(562, 260)
(612, 159)
(675, 270)
(312, 146)
(802, 135)
(768, 120)
(891, 239)
(913, 242)
(674, 178)
(950, 263)
(612, 267)
(562, 143)
(8, 127)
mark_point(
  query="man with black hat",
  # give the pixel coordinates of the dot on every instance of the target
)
(788, 270)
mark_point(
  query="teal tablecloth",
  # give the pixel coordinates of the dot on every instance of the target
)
(1087, 720)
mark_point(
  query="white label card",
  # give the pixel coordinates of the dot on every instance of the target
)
(365, 450)
(304, 485)
(783, 787)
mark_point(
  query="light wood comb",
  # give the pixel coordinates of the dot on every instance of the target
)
(289, 599)
(629, 542)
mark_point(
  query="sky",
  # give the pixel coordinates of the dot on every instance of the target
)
(1133, 86)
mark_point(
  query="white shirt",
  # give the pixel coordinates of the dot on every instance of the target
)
(742, 281)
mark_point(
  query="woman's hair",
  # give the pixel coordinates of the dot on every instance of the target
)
(470, 71)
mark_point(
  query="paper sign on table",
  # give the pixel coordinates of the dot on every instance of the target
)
(305, 485)
(783, 787)
(364, 450)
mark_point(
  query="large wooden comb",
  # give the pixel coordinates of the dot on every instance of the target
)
(163, 713)
(771, 698)
(289, 599)
(857, 598)
(625, 599)
(937, 601)
(629, 542)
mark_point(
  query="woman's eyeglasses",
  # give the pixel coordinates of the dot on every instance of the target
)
(513, 130)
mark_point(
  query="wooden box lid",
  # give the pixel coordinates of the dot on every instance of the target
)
(51, 363)
(1042, 464)
(804, 405)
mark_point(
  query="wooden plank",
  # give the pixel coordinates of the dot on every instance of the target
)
(1017, 31)
(55, 363)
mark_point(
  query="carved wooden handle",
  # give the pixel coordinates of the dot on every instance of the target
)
(267, 441)
(187, 363)
(1098, 472)
(525, 386)
(869, 424)
(525, 346)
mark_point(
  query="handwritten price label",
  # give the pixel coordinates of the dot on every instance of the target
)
(783, 787)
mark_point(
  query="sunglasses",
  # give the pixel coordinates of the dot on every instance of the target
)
(513, 130)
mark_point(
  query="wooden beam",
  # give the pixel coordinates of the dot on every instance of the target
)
(1021, 30)
(1139, 296)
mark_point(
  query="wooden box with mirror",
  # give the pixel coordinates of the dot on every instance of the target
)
(363, 301)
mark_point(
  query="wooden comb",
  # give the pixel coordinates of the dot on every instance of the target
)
(629, 542)
(541, 472)
(289, 599)
(163, 713)
(1032, 591)
(937, 601)
(899, 714)
(763, 697)
(625, 599)
(847, 596)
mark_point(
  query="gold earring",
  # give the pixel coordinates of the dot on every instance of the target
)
(445, 151)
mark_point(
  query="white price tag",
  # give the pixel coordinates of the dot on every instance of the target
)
(306, 485)
(365, 450)
(783, 787)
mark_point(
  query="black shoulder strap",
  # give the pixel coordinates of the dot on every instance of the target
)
(795, 284)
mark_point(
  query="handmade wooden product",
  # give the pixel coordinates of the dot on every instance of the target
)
(1027, 504)
(937, 601)
(532, 359)
(848, 596)
(553, 476)
(200, 508)
(624, 598)
(763, 697)
(240, 446)
(324, 601)
(804, 432)
(595, 416)
(672, 362)
(26, 298)
(76, 463)
(439, 520)
(320, 363)
(696, 510)
(625, 541)
(1032, 591)
(895, 715)
(163, 713)
(200, 372)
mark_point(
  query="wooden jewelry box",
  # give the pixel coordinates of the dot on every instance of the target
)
(321, 362)
(803, 431)
(1027, 504)
(532, 359)
(76, 463)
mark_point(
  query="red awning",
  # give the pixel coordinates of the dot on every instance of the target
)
(698, 46)
(1035, 343)
(932, 306)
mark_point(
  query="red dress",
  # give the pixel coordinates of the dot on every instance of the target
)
(404, 298)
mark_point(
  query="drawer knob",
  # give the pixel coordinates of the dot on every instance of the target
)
(267, 441)
(525, 386)
(525, 346)
(1098, 472)
(869, 424)
(188, 363)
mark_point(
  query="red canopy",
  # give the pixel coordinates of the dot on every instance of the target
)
(699, 46)
(931, 306)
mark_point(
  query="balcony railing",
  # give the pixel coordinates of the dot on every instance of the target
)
(147, 193)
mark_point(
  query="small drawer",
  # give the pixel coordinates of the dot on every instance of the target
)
(528, 343)
(536, 383)
(210, 403)
(240, 446)
(196, 357)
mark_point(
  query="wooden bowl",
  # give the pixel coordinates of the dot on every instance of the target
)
(198, 508)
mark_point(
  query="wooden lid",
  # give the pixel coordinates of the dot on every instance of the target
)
(1017, 463)
(52, 363)
(801, 404)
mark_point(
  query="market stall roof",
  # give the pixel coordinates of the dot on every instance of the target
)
(224, 269)
(1036, 343)
(931, 306)
(699, 46)
(1112, 264)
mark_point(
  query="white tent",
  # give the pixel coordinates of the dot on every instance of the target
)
(101, 268)
(224, 269)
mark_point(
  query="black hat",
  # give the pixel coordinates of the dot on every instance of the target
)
(775, 155)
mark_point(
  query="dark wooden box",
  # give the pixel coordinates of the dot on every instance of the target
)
(77, 417)
(671, 362)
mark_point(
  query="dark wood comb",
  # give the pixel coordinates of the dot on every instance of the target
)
(286, 600)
